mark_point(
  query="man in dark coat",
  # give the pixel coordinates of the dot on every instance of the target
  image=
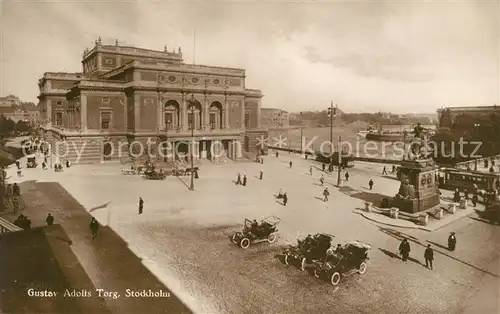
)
(285, 199)
(452, 241)
(474, 200)
(370, 184)
(404, 249)
(245, 180)
(141, 205)
(347, 177)
(49, 220)
(238, 180)
(428, 256)
(290, 163)
(277, 154)
(261, 175)
(94, 227)
(466, 194)
(326, 193)
(456, 196)
(323, 166)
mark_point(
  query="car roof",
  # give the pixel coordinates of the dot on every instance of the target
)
(360, 244)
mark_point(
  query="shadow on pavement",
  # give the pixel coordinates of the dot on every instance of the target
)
(394, 255)
(400, 235)
(108, 259)
(187, 186)
(390, 177)
(438, 245)
(486, 221)
(105, 205)
(375, 198)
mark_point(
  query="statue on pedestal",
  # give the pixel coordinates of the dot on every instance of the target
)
(406, 190)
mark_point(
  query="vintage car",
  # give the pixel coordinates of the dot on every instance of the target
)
(350, 259)
(492, 213)
(252, 232)
(153, 175)
(307, 251)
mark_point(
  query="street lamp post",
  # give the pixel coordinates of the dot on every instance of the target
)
(191, 185)
(332, 111)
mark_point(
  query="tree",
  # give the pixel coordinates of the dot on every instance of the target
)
(22, 126)
(7, 126)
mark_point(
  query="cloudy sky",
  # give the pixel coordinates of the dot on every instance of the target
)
(397, 56)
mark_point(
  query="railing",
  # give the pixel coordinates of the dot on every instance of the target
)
(6, 226)
(183, 67)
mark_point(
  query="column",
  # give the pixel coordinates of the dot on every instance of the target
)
(207, 117)
(258, 113)
(83, 112)
(48, 112)
(242, 119)
(184, 120)
(137, 112)
(159, 115)
(99, 61)
(226, 115)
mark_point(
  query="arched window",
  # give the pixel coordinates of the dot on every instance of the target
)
(171, 115)
(215, 115)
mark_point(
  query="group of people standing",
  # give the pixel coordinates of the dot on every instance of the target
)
(405, 249)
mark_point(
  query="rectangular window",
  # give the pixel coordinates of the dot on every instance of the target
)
(105, 120)
(59, 103)
(247, 119)
(169, 119)
(59, 118)
(190, 120)
(213, 120)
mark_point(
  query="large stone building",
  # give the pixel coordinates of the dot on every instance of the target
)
(448, 115)
(274, 118)
(128, 95)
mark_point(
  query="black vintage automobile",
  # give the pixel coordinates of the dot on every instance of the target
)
(349, 260)
(256, 232)
(311, 249)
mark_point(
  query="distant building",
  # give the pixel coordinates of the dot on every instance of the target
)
(9, 101)
(274, 118)
(128, 95)
(447, 116)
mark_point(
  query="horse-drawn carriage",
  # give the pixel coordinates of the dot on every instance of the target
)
(255, 232)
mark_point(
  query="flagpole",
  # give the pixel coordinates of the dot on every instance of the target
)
(194, 45)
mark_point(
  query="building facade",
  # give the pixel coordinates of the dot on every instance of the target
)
(9, 101)
(447, 116)
(128, 96)
(274, 118)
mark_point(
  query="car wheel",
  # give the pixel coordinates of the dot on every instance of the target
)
(303, 264)
(362, 268)
(335, 278)
(233, 238)
(271, 238)
(245, 243)
(316, 273)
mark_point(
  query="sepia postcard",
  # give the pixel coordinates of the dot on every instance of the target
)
(249, 157)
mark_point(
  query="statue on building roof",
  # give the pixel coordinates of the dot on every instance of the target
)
(180, 51)
(116, 42)
(99, 41)
(165, 48)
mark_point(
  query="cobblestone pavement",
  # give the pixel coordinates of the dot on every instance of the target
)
(182, 237)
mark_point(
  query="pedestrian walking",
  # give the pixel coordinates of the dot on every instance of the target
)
(49, 219)
(18, 164)
(370, 184)
(290, 163)
(452, 242)
(277, 154)
(285, 199)
(16, 191)
(428, 256)
(474, 200)
(456, 196)
(141, 205)
(261, 175)
(261, 160)
(322, 180)
(94, 227)
(306, 156)
(466, 194)
(323, 166)
(346, 177)
(404, 249)
(326, 193)
(310, 170)
(238, 180)
(393, 169)
(244, 180)
(280, 193)
(384, 171)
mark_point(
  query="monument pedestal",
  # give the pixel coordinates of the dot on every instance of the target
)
(418, 190)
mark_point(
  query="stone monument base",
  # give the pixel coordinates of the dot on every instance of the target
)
(416, 205)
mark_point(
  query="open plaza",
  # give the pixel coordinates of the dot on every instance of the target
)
(182, 238)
